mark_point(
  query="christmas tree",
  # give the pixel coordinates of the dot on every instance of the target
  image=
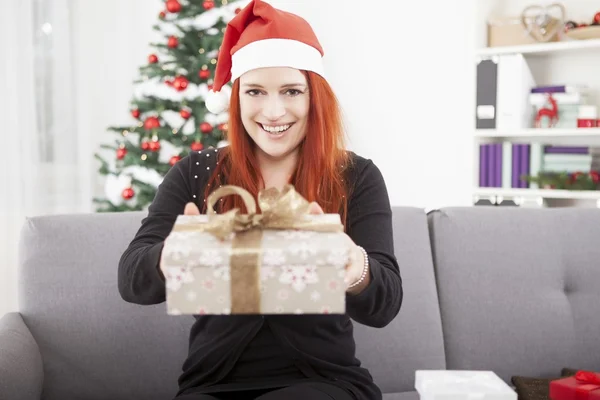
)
(168, 112)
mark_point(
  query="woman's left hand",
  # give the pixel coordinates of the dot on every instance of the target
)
(355, 267)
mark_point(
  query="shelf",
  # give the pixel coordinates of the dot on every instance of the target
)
(575, 137)
(541, 48)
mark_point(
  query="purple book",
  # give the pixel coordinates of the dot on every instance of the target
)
(491, 165)
(483, 165)
(498, 165)
(549, 89)
(524, 165)
(516, 155)
(565, 150)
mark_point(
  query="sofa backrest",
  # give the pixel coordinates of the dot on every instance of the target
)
(413, 340)
(519, 288)
(96, 346)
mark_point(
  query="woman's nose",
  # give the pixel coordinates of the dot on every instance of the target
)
(274, 108)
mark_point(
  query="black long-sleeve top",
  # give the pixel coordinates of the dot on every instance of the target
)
(318, 347)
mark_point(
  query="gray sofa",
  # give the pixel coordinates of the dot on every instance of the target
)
(512, 290)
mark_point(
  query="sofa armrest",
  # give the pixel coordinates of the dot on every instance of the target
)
(21, 368)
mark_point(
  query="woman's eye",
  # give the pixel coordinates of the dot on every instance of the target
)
(253, 92)
(294, 92)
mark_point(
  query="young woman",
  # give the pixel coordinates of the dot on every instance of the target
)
(285, 127)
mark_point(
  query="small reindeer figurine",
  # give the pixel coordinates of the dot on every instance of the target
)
(551, 113)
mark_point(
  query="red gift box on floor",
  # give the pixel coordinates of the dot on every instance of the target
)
(585, 385)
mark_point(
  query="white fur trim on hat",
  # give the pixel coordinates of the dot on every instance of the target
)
(217, 102)
(276, 53)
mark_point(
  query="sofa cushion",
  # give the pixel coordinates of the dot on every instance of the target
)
(402, 396)
(519, 288)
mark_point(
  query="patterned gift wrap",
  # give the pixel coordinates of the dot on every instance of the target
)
(260, 267)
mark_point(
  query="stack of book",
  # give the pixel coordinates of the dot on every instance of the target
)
(503, 164)
(568, 99)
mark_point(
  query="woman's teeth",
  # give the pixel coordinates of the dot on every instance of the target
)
(276, 129)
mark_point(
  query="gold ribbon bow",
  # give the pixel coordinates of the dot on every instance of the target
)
(280, 210)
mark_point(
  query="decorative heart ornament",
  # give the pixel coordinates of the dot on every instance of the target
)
(543, 22)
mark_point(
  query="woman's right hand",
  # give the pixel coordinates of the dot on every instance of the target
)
(191, 209)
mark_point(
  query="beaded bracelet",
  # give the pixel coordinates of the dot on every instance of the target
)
(365, 268)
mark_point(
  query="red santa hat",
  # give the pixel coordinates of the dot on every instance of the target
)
(262, 36)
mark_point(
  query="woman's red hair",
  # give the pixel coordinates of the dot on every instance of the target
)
(321, 160)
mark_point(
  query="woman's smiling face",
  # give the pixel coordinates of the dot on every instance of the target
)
(274, 105)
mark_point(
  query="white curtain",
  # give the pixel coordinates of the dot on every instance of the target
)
(41, 170)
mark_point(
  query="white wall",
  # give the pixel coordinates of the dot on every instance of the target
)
(406, 82)
(404, 78)
(111, 41)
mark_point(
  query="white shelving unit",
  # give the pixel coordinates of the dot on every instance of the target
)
(579, 50)
(542, 49)
(572, 137)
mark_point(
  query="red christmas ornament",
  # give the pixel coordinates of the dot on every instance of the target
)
(204, 74)
(152, 59)
(162, 15)
(145, 145)
(205, 127)
(208, 4)
(128, 193)
(154, 145)
(121, 153)
(185, 114)
(135, 113)
(196, 146)
(595, 175)
(174, 160)
(151, 123)
(173, 6)
(597, 18)
(173, 42)
(180, 83)
(223, 127)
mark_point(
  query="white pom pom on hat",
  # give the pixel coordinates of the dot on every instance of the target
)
(261, 36)
(217, 102)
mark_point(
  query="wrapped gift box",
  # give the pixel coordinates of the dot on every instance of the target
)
(585, 385)
(462, 385)
(230, 263)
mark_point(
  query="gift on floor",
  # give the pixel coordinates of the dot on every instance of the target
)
(584, 385)
(462, 385)
(281, 261)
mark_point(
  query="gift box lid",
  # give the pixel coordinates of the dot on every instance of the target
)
(203, 218)
(465, 383)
